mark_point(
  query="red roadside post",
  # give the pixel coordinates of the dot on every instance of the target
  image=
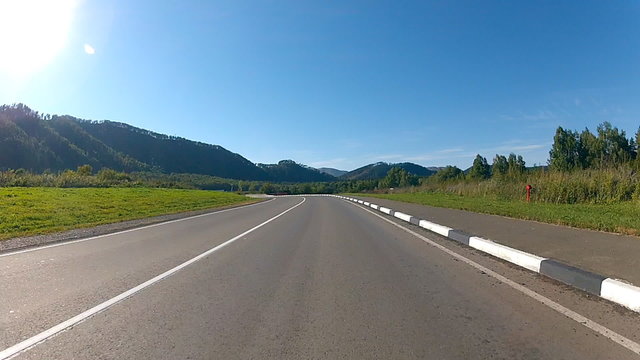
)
(529, 187)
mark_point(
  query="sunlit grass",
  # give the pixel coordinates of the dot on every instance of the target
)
(622, 217)
(32, 211)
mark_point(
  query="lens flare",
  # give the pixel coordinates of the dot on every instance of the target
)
(32, 33)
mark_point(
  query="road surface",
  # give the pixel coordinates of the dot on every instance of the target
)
(296, 278)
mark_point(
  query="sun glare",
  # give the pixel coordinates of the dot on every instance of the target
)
(32, 33)
(89, 49)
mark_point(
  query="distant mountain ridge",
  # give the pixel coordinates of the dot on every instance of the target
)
(332, 171)
(39, 143)
(379, 170)
(294, 172)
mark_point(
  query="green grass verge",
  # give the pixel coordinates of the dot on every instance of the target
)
(33, 211)
(622, 217)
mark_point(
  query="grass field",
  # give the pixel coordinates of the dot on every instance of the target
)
(622, 217)
(32, 211)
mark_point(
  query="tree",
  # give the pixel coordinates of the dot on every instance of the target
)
(85, 170)
(480, 168)
(267, 188)
(564, 151)
(589, 149)
(614, 145)
(637, 148)
(517, 165)
(448, 173)
(500, 166)
(398, 177)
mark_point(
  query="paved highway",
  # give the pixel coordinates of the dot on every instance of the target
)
(294, 278)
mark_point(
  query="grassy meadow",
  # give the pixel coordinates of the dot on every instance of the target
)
(41, 210)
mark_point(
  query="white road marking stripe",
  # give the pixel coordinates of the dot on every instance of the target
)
(43, 336)
(602, 330)
(128, 230)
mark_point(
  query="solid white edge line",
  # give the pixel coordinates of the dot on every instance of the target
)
(602, 330)
(62, 243)
(43, 336)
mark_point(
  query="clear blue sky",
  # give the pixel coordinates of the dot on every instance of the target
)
(336, 83)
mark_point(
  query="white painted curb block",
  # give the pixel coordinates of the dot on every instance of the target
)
(436, 228)
(621, 293)
(515, 256)
(402, 216)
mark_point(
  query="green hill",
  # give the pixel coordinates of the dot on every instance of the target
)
(38, 143)
(380, 170)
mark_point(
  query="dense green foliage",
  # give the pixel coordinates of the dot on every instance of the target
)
(585, 168)
(44, 143)
(594, 186)
(84, 177)
(30, 211)
(480, 169)
(608, 148)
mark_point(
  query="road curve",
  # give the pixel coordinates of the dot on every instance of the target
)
(325, 280)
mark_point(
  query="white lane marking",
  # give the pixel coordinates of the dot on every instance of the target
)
(129, 230)
(602, 330)
(43, 336)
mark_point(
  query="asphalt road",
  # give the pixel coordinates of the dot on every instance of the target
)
(325, 280)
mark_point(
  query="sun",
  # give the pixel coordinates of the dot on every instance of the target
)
(32, 33)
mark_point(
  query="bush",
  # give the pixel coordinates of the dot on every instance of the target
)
(579, 186)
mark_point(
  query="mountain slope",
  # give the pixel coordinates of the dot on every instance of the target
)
(101, 154)
(332, 171)
(289, 170)
(29, 142)
(173, 154)
(380, 170)
(37, 143)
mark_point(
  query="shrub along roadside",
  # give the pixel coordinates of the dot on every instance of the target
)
(33, 211)
(590, 186)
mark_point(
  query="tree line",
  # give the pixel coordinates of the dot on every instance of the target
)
(608, 147)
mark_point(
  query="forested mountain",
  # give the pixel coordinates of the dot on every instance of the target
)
(30, 142)
(172, 154)
(379, 170)
(289, 170)
(332, 171)
(39, 143)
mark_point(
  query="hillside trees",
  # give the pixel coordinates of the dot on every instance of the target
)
(398, 177)
(448, 173)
